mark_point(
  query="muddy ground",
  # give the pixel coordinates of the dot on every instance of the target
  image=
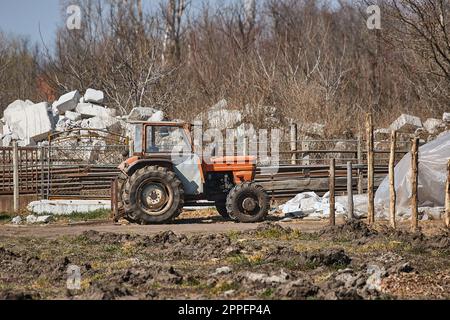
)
(269, 261)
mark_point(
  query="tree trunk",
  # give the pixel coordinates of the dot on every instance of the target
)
(332, 195)
(370, 170)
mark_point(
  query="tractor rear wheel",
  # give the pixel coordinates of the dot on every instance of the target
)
(153, 195)
(221, 208)
(121, 180)
(248, 202)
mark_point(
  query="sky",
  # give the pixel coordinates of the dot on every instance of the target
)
(27, 17)
(38, 20)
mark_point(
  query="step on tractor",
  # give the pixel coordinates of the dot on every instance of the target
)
(163, 174)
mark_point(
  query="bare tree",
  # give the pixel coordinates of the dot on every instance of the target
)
(424, 28)
(18, 71)
(173, 12)
(307, 59)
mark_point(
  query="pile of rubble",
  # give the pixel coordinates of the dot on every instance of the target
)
(408, 126)
(32, 219)
(31, 124)
(224, 116)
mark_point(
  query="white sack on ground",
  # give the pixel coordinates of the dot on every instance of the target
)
(433, 158)
(302, 204)
(309, 204)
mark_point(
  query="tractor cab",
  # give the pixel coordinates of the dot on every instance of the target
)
(154, 140)
(160, 138)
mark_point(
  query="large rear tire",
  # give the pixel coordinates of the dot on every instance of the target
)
(248, 202)
(121, 181)
(153, 195)
(221, 208)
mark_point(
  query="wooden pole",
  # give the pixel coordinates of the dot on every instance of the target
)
(392, 193)
(42, 171)
(350, 209)
(370, 170)
(16, 177)
(414, 179)
(447, 198)
(294, 143)
(305, 157)
(49, 171)
(332, 194)
(360, 161)
(246, 146)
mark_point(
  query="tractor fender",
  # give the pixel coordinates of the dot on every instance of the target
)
(243, 176)
(133, 164)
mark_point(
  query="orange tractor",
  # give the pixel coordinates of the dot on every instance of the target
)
(164, 174)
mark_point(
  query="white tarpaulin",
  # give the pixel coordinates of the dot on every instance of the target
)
(309, 204)
(433, 158)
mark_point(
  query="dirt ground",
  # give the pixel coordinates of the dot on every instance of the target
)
(203, 257)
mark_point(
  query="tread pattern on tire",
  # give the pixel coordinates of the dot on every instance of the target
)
(121, 180)
(221, 208)
(129, 195)
(264, 202)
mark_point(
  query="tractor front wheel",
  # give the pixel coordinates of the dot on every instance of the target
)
(248, 202)
(153, 195)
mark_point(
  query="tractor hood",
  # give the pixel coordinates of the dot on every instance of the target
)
(234, 160)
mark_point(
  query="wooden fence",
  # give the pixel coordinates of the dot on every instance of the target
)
(66, 172)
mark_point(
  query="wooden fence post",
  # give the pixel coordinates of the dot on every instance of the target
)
(350, 210)
(332, 193)
(392, 192)
(306, 157)
(447, 198)
(414, 179)
(370, 170)
(294, 143)
(16, 177)
(42, 171)
(360, 161)
(245, 146)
